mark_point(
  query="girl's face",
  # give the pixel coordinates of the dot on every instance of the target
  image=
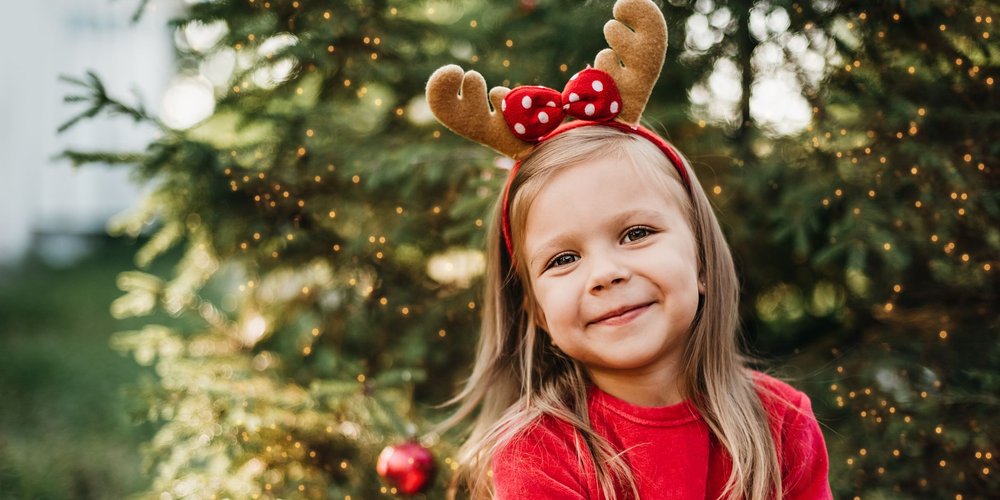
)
(613, 268)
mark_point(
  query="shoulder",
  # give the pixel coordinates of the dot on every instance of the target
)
(545, 437)
(798, 438)
(542, 461)
(778, 397)
(789, 410)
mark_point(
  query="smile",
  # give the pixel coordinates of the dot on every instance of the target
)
(622, 315)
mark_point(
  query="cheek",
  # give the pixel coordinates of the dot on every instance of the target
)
(553, 307)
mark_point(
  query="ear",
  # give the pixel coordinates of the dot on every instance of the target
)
(701, 285)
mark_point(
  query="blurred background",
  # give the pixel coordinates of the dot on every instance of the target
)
(239, 257)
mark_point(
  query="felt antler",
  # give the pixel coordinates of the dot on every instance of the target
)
(638, 40)
(641, 49)
(469, 114)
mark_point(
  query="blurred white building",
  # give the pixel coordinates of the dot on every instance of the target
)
(45, 201)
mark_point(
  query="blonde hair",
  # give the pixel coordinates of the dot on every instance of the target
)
(519, 377)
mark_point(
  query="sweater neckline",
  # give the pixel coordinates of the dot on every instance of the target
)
(657, 416)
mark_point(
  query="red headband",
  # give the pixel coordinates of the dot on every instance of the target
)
(665, 147)
(614, 93)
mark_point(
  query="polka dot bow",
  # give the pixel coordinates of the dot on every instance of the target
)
(531, 112)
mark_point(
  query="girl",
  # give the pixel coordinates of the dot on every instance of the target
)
(608, 363)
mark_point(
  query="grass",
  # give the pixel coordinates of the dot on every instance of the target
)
(64, 427)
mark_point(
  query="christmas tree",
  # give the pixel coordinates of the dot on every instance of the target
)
(888, 216)
(868, 241)
(332, 231)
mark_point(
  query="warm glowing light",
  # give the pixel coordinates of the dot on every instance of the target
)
(456, 267)
(187, 101)
(254, 329)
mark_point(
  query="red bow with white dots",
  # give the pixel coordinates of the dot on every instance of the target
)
(531, 112)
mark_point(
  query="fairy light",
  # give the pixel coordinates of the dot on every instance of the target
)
(819, 140)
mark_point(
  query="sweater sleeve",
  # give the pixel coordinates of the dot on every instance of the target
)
(539, 464)
(805, 469)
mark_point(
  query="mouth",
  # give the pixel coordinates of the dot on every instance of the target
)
(621, 315)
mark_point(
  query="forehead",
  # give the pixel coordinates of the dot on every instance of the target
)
(582, 196)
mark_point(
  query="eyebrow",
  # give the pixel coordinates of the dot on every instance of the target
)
(560, 239)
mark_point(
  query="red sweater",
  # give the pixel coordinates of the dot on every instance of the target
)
(671, 450)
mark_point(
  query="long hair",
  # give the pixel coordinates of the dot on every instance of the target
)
(519, 377)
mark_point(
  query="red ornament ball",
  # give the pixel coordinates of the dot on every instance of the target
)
(409, 467)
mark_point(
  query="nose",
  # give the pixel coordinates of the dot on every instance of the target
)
(607, 273)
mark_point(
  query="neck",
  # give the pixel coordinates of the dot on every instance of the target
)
(660, 386)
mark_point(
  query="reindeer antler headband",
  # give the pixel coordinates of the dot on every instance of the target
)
(612, 93)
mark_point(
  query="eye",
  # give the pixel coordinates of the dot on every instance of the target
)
(636, 233)
(562, 260)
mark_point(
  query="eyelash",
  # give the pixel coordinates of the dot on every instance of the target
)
(647, 230)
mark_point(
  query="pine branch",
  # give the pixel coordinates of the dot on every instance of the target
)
(97, 96)
(79, 158)
(139, 11)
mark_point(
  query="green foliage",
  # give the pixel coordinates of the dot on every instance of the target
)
(66, 429)
(890, 204)
(309, 207)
